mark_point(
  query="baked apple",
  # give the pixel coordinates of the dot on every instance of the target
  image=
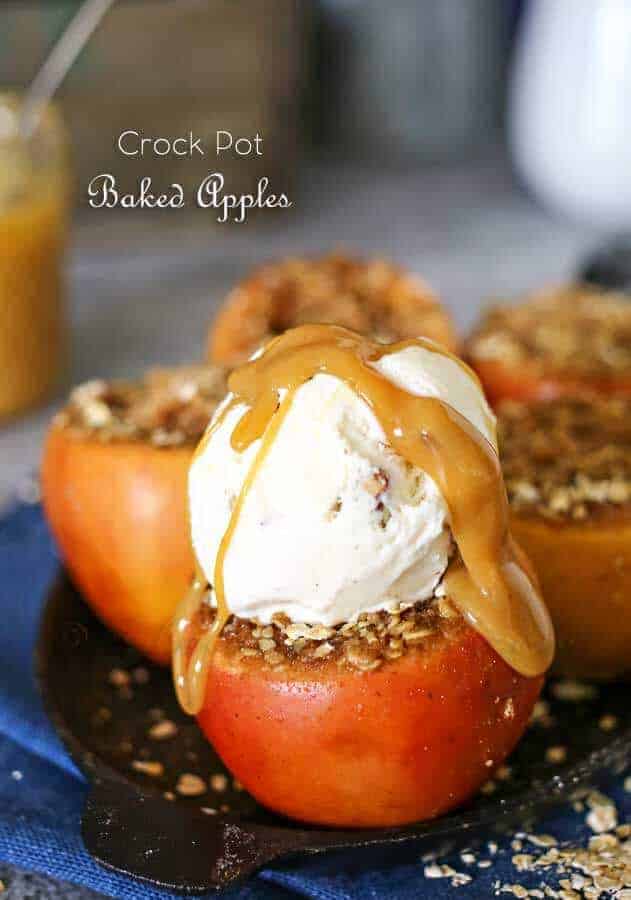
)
(567, 469)
(395, 718)
(114, 474)
(363, 642)
(372, 297)
(572, 340)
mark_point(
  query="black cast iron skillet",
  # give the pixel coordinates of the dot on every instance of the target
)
(195, 844)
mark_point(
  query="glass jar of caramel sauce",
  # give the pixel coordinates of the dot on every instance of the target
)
(34, 208)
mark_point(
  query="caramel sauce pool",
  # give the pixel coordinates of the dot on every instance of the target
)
(491, 584)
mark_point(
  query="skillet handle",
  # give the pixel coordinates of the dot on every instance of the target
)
(156, 840)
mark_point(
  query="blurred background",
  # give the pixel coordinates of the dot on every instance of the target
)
(483, 144)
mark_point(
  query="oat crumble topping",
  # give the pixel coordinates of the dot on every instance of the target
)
(368, 297)
(566, 458)
(571, 691)
(598, 869)
(371, 296)
(168, 407)
(363, 645)
(151, 768)
(573, 329)
(189, 785)
(163, 730)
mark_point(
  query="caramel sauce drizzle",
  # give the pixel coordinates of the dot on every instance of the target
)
(490, 583)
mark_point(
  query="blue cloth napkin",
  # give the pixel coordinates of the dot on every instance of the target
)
(42, 793)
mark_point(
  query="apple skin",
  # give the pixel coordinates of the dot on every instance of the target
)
(525, 384)
(118, 512)
(408, 741)
(584, 568)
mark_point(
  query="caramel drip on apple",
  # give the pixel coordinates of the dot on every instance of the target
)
(190, 667)
(183, 673)
(491, 583)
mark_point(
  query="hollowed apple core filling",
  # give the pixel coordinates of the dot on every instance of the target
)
(568, 459)
(576, 330)
(166, 408)
(365, 644)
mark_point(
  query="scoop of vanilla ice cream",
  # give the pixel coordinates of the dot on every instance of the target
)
(335, 523)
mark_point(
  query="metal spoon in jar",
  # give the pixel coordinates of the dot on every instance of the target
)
(60, 61)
